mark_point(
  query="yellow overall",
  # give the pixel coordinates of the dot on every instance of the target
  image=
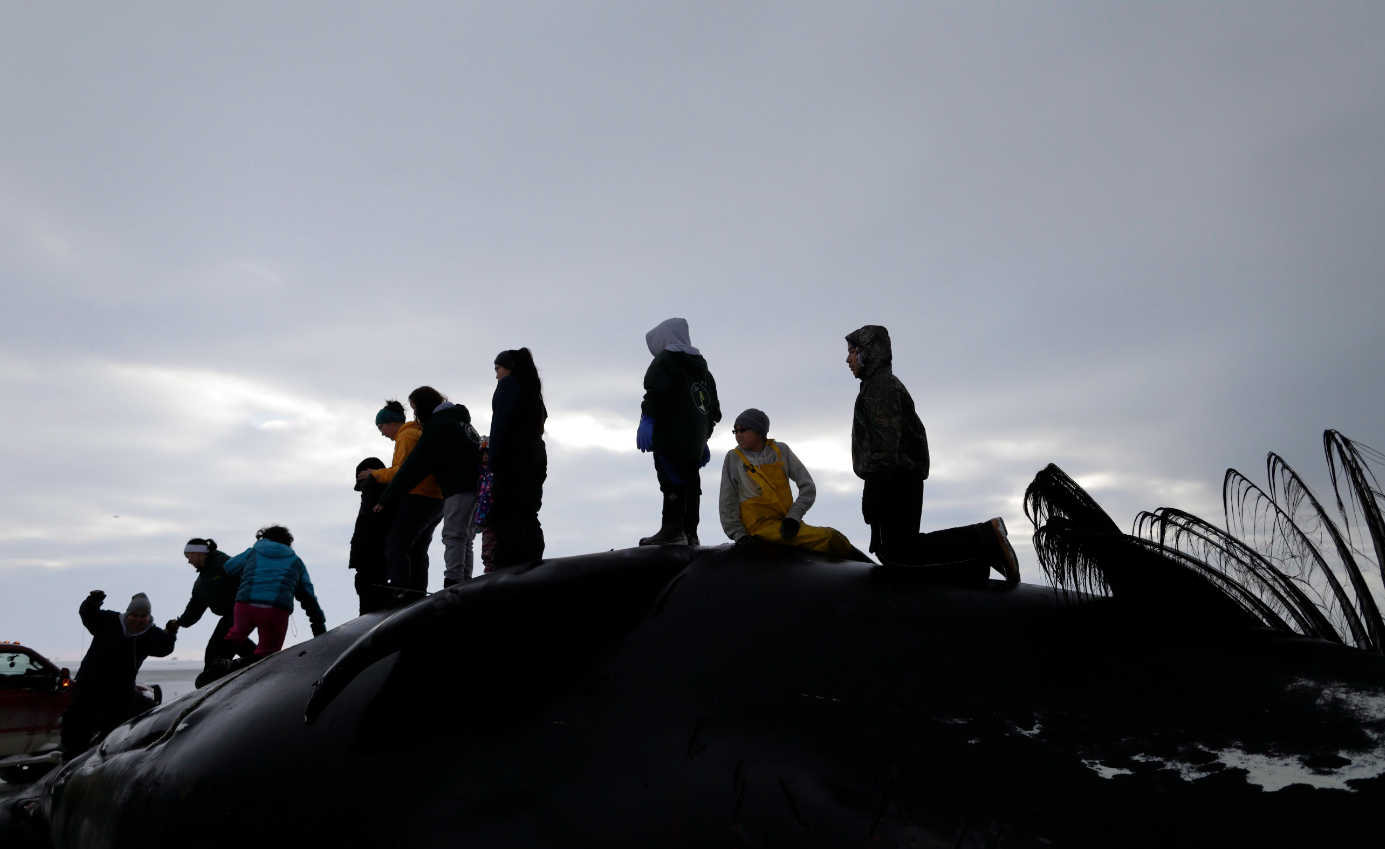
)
(762, 514)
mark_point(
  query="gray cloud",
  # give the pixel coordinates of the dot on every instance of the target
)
(1139, 241)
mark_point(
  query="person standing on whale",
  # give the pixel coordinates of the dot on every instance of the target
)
(889, 451)
(679, 411)
(518, 458)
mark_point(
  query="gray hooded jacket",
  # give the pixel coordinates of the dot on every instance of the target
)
(886, 434)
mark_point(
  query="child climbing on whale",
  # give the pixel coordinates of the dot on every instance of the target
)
(756, 504)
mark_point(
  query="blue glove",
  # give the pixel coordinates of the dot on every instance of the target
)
(706, 457)
(644, 436)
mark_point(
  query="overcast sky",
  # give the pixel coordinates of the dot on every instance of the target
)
(1141, 241)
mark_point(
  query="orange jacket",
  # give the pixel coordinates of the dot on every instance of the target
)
(404, 442)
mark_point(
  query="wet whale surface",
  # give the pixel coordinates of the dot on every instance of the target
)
(746, 697)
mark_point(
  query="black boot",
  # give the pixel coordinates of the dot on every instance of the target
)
(672, 531)
(692, 514)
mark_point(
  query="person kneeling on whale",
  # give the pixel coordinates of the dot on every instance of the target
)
(889, 452)
(271, 577)
(756, 504)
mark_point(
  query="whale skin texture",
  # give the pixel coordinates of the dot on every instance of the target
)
(745, 697)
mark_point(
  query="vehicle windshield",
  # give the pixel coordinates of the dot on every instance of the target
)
(18, 669)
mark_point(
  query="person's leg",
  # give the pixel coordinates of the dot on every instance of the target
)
(810, 537)
(242, 623)
(418, 552)
(529, 499)
(117, 705)
(488, 546)
(408, 521)
(691, 474)
(372, 575)
(456, 538)
(79, 722)
(215, 644)
(469, 545)
(675, 494)
(273, 624)
(894, 506)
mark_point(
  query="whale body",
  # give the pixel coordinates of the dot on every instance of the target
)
(669, 696)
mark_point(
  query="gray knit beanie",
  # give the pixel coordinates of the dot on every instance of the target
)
(139, 603)
(755, 420)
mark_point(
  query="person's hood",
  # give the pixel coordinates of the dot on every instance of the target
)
(124, 626)
(670, 335)
(371, 463)
(275, 550)
(406, 426)
(873, 341)
(452, 411)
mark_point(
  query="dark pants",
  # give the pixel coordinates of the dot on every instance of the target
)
(680, 480)
(370, 587)
(95, 710)
(214, 645)
(893, 507)
(517, 495)
(406, 545)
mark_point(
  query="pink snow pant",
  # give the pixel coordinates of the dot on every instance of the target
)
(272, 623)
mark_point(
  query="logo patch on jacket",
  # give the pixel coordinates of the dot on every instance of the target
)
(701, 400)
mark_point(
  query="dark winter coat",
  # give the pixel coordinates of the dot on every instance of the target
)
(516, 438)
(213, 590)
(886, 434)
(681, 395)
(368, 538)
(115, 656)
(449, 450)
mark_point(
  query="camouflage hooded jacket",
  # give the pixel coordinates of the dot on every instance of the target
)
(886, 434)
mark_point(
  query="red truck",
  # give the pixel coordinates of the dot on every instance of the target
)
(34, 692)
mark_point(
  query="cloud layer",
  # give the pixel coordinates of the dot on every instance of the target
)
(1141, 242)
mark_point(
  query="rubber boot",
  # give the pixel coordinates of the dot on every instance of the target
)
(672, 531)
(1003, 554)
(692, 513)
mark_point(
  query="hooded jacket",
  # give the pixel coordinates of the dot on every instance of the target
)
(213, 590)
(679, 392)
(404, 442)
(886, 434)
(449, 450)
(368, 537)
(271, 575)
(115, 654)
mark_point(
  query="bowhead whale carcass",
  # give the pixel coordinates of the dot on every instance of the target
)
(746, 697)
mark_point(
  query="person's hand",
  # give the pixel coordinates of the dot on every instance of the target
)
(365, 473)
(644, 435)
(788, 529)
(706, 456)
(377, 508)
(318, 629)
(99, 595)
(172, 626)
(747, 541)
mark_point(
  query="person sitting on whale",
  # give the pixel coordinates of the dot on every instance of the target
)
(756, 504)
(889, 452)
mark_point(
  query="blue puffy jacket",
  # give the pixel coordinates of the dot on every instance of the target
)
(271, 574)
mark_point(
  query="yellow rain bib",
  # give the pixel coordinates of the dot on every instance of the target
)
(762, 514)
